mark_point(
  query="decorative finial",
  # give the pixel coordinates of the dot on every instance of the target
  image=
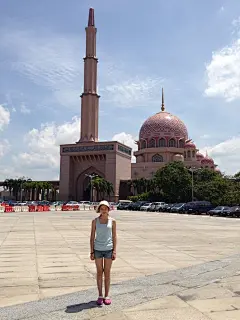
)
(163, 107)
(91, 22)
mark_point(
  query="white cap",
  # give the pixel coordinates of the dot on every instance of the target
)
(103, 203)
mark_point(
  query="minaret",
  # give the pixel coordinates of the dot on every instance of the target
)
(89, 97)
(163, 107)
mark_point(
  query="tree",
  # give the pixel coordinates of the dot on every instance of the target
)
(102, 186)
(213, 191)
(237, 175)
(174, 182)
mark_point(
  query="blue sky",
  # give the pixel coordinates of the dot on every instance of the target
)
(191, 48)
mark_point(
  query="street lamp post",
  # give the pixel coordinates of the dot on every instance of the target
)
(192, 169)
(91, 176)
(192, 185)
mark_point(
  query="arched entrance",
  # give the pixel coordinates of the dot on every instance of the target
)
(82, 185)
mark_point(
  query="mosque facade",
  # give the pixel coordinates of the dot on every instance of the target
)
(163, 138)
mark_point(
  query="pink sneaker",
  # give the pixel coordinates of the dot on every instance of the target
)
(100, 301)
(107, 301)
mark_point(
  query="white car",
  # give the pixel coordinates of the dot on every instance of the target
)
(146, 206)
(85, 202)
(72, 203)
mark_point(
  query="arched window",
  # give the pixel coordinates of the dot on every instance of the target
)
(193, 154)
(157, 158)
(185, 155)
(181, 144)
(152, 143)
(189, 154)
(172, 143)
(162, 143)
(143, 144)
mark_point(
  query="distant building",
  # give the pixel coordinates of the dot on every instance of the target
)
(162, 138)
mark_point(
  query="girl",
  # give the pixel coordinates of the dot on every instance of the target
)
(103, 243)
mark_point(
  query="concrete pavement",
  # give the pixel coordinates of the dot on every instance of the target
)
(46, 255)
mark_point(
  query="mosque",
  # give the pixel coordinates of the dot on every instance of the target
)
(163, 138)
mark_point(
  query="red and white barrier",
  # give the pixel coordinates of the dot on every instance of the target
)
(17, 209)
(40, 208)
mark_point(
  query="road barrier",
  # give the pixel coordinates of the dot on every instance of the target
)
(42, 208)
(17, 209)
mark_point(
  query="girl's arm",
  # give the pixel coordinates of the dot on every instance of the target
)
(114, 235)
(92, 237)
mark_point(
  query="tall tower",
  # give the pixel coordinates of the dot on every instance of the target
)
(89, 97)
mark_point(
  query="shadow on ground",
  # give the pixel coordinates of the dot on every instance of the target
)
(81, 306)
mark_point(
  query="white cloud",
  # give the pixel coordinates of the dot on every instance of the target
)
(42, 160)
(223, 71)
(222, 9)
(126, 139)
(134, 92)
(226, 155)
(52, 61)
(24, 109)
(205, 136)
(4, 147)
(4, 117)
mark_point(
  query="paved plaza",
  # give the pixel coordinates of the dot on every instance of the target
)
(168, 266)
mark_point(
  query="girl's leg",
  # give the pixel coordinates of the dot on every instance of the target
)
(107, 271)
(99, 266)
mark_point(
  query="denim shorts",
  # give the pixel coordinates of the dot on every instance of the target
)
(103, 254)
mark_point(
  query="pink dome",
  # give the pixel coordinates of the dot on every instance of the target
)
(217, 170)
(190, 145)
(199, 156)
(207, 160)
(178, 157)
(163, 124)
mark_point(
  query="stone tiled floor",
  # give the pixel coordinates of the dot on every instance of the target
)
(47, 254)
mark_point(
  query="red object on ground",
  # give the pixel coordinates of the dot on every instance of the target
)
(46, 208)
(39, 208)
(32, 208)
(8, 208)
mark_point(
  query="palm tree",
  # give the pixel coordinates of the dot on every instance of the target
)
(102, 186)
(109, 189)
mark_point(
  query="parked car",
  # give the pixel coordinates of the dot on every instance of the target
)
(153, 206)
(123, 204)
(146, 206)
(178, 208)
(159, 206)
(168, 207)
(219, 211)
(198, 207)
(164, 207)
(135, 206)
(234, 211)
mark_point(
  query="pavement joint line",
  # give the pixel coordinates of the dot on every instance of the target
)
(129, 293)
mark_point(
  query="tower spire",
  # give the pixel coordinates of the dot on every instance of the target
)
(91, 22)
(90, 98)
(163, 107)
